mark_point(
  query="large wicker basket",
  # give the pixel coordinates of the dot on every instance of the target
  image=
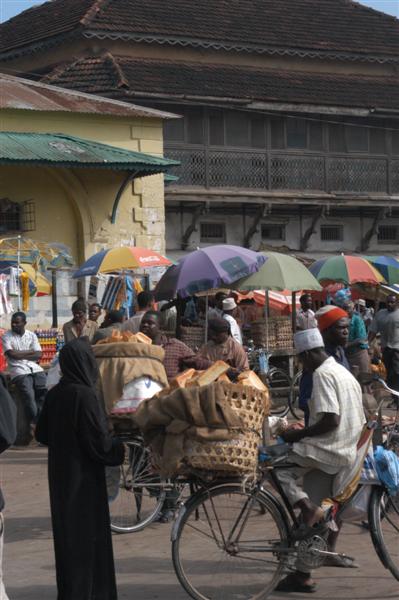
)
(193, 337)
(239, 455)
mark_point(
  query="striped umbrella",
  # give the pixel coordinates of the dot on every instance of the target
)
(346, 269)
(125, 258)
(388, 266)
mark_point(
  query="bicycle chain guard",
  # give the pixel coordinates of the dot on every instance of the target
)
(308, 551)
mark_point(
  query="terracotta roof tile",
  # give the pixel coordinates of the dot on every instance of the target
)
(101, 75)
(334, 25)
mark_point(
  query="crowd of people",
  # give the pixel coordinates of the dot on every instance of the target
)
(333, 345)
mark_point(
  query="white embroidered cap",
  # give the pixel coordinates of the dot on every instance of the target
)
(308, 340)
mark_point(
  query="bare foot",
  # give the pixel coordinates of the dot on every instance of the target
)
(311, 513)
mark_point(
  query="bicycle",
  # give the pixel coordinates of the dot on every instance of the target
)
(248, 536)
(136, 493)
(277, 380)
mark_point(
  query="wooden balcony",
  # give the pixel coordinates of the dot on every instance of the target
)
(278, 170)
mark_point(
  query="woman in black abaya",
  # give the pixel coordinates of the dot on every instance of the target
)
(73, 426)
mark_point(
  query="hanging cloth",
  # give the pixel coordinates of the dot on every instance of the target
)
(13, 284)
(111, 292)
(25, 291)
(6, 307)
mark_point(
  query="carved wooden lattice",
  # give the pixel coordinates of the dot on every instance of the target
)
(192, 166)
(297, 173)
(237, 169)
(395, 177)
(243, 169)
(357, 175)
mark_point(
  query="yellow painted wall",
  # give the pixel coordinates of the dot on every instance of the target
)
(73, 206)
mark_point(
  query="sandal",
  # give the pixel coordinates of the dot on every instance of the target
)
(341, 561)
(291, 584)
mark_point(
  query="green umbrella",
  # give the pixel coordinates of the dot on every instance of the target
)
(279, 272)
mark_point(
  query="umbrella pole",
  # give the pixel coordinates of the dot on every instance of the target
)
(206, 317)
(293, 312)
(18, 267)
(54, 298)
(267, 312)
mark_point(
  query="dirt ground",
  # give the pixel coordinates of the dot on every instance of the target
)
(143, 561)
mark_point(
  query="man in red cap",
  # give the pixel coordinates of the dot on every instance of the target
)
(333, 323)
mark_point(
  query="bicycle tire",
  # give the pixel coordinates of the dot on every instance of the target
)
(138, 484)
(384, 516)
(191, 553)
(279, 383)
(296, 412)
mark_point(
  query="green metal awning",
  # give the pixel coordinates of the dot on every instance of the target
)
(58, 150)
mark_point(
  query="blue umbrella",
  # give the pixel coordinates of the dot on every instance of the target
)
(206, 269)
(388, 266)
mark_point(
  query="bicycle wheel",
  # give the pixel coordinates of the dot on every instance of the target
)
(225, 545)
(139, 498)
(296, 412)
(384, 528)
(279, 383)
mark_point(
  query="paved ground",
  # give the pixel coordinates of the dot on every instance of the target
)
(144, 569)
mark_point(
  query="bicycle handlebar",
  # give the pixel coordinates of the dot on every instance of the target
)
(384, 385)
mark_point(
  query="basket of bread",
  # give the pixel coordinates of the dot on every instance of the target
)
(203, 421)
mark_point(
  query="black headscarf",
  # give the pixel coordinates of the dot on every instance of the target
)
(78, 363)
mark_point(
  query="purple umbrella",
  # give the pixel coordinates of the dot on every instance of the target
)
(206, 269)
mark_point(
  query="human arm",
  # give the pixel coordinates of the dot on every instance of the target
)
(325, 407)
(190, 360)
(327, 423)
(23, 355)
(34, 352)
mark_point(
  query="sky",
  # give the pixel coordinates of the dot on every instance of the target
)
(10, 8)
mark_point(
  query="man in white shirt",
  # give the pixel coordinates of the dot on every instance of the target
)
(229, 309)
(329, 443)
(23, 351)
(306, 318)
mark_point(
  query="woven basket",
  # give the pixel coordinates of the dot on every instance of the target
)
(193, 337)
(279, 330)
(239, 455)
(236, 456)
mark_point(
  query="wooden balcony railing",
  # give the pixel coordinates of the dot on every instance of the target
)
(276, 170)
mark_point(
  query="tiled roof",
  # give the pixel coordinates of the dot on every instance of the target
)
(325, 25)
(123, 77)
(23, 94)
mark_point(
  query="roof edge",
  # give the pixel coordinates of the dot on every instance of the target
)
(227, 46)
(130, 108)
(205, 44)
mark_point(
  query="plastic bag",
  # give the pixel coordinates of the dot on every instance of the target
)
(134, 393)
(387, 464)
(357, 507)
(369, 474)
